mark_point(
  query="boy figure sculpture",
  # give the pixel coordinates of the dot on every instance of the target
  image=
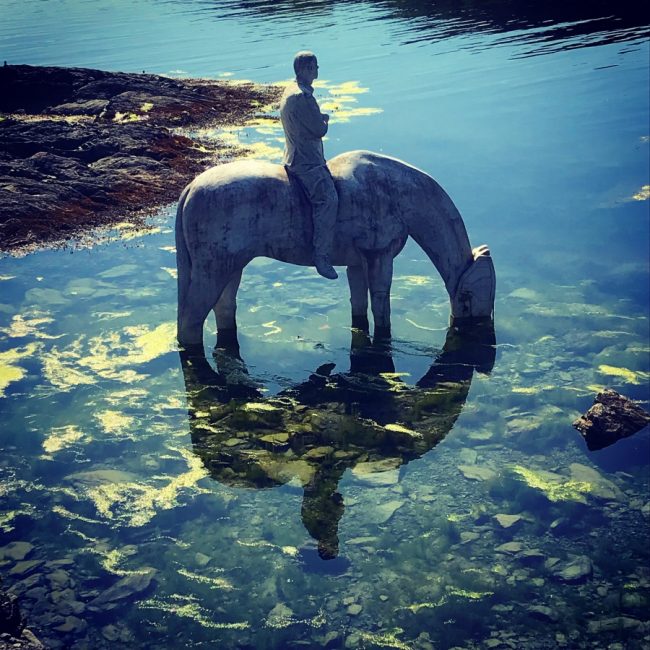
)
(304, 127)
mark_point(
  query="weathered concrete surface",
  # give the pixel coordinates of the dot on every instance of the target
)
(81, 148)
(233, 213)
(612, 417)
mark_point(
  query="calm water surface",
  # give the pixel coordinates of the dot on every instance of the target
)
(431, 494)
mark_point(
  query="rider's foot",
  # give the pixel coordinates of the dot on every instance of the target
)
(325, 268)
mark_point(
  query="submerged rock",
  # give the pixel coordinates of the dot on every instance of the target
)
(129, 586)
(16, 551)
(578, 570)
(612, 417)
(477, 473)
(508, 521)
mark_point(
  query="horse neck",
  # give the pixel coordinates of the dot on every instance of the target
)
(437, 226)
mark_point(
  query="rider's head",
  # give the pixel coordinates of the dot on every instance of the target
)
(305, 66)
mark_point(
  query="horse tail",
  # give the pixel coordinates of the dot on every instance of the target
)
(183, 259)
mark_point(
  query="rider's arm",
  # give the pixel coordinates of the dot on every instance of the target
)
(310, 117)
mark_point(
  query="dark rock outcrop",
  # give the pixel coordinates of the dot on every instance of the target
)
(82, 148)
(612, 417)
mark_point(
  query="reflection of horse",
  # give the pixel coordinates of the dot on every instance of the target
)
(329, 423)
(233, 213)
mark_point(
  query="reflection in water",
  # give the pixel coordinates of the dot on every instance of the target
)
(544, 26)
(366, 419)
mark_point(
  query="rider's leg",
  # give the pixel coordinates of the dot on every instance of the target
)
(321, 191)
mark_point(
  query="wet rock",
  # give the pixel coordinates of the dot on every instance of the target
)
(543, 613)
(379, 472)
(477, 473)
(59, 579)
(16, 551)
(279, 616)
(11, 621)
(531, 557)
(468, 455)
(71, 624)
(126, 588)
(614, 624)
(202, 559)
(101, 476)
(578, 570)
(115, 153)
(469, 536)
(508, 521)
(511, 548)
(560, 525)
(612, 417)
(382, 512)
(26, 567)
(599, 486)
(355, 609)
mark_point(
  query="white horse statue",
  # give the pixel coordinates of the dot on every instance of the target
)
(235, 212)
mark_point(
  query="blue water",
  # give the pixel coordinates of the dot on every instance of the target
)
(117, 459)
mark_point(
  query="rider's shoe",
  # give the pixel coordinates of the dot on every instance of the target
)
(325, 269)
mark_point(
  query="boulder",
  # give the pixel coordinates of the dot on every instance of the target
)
(612, 417)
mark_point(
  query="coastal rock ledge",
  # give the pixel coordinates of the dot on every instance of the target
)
(83, 148)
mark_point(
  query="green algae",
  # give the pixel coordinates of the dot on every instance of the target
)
(554, 486)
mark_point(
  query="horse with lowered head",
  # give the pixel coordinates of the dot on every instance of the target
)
(235, 212)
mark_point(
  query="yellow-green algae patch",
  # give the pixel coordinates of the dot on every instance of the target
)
(291, 551)
(114, 421)
(554, 486)
(215, 583)
(386, 639)
(192, 610)
(61, 437)
(629, 376)
(22, 326)
(59, 371)
(135, 504)
(111, 356)
(66, 514)
(9, 372)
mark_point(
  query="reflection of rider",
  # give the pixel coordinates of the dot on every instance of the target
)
(304, 127)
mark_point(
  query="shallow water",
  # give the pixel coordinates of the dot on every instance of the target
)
(119, 456)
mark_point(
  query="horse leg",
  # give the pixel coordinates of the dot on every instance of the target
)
(199, 298)
(380, 277)
(225, 311)
(358, 297)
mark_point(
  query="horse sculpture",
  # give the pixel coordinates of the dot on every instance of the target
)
(235, 212)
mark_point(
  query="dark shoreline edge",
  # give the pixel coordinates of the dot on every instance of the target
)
(82, 149)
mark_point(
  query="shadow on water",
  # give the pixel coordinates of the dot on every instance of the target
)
(543, 26)
(366, 419)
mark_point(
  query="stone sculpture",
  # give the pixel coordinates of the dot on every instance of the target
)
(235, 212)
(304, 127)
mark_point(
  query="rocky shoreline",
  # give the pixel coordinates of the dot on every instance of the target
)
(82, 148)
